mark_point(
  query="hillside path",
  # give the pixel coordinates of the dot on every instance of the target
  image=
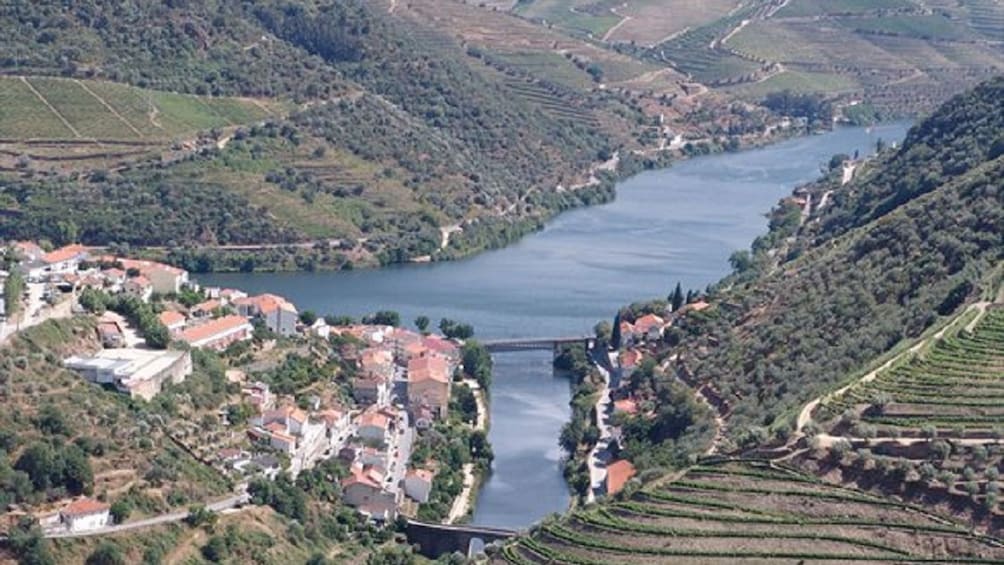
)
(805, 416)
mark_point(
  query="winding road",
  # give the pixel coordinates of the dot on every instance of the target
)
(805, 416)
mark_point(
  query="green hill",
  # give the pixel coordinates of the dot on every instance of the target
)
(749, 511)
(45, 108)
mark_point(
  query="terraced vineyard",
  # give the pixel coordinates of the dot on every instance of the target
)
(552, 104)
(751, 511)
(697, 52)
(959, 383)
(40, 108)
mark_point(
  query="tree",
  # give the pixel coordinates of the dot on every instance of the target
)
(455, 330)
(216, 549)
(422, 323)
(308, 317)
(29, 545)
(615, 333)
(120, 510)
(741, 261)
(106, 554)
(383, 318)
(39, 461)
(676, 299)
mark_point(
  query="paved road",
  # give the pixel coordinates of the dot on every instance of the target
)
(599, 457)
(221, 506)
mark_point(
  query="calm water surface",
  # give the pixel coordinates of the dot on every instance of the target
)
(676, 224)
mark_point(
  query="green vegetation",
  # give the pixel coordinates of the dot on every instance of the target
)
(138, 313)
(917, 227)
(35, 107)
(951, 387)
(726, 510)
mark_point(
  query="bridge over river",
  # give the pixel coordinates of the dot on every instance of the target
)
(435, 540)
(511, 345)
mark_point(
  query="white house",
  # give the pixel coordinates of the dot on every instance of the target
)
(418, 484)
(279, 315)
(364, 490)
(85, 514)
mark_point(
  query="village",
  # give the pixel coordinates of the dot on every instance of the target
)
(400, 382)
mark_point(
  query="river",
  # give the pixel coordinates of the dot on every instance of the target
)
(675, 224)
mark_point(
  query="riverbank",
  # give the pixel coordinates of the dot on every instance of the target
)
(462, 240)
(674, 224)
(463, 505)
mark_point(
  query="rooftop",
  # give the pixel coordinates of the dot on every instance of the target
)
(64, 253)
(618, 474)
(214, 328)
(84, 507)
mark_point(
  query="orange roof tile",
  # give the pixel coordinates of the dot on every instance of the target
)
(84, 507)
(647, 322)
(207, 306)
(171, 318)
(64, 253)
(428, 367)
(618, 474)
(370, 477)
(626, 405)
(213, 328)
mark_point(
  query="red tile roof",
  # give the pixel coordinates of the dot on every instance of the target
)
(64, 253)
(370, 477)
(213, 328)
(171, 318)
(428, 367)
(618, 474)
(647, 322)
(626, 405)
(266, 303)
(84, 507)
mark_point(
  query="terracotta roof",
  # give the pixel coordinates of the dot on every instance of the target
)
(171, 318)
(631, 357)
(618, 474)
(144, 266)
(428, 367)
(84, 507)
(298, 415)
(331, 416)
(440, 345)
(626, 327)
(374, 416)
(370, 477)
(266, 303)
(626, 405)
(207, 306)
(113, 272)
(213, 328)
(64, 253)
(139, 281)
(647, 322)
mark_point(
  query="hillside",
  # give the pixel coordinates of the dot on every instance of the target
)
(889, 289)
(749, 511)
(793, 321)
(105, 445)
(899, 57)
(361, 128)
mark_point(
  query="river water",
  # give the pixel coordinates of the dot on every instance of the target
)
(675, 224)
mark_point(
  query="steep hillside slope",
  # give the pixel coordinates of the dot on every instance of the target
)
(900, 247)
(399, 132)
